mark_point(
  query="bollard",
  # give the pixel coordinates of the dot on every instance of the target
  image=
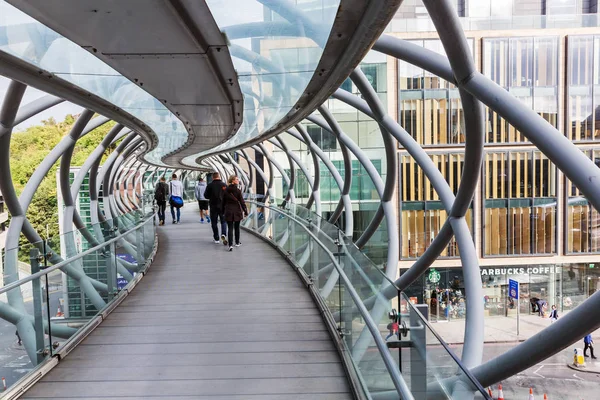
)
(3, 384)
(578, 359)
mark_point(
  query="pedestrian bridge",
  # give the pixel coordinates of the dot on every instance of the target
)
(313, 304)
(204, 322)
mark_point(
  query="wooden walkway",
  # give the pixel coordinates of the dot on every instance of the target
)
(206, 323)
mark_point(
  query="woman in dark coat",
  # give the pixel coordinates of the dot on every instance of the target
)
(234, 208)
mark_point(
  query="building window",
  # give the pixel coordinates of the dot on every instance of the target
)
(429, 108)
(422, 212)
(528, 69)
(584, 88)
(583, 222)
(520, 204)
(322, 138)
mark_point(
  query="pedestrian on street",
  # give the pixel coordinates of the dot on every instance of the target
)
(588, 344)
(533, 301)
(541, 305)
(175, 197)
(214, 193)
(202, 202)
(234, 208)
(553, 314)
(19, 341)
(393, 327)
(161, 193)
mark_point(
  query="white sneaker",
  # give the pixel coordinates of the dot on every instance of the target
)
(216, 242)
(230, 248)
(238, 244)
(224, 240)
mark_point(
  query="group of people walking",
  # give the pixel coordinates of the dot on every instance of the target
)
(173, 192)
(222, 205)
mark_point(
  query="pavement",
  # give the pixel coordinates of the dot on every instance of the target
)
(498, 329)
(555, 376)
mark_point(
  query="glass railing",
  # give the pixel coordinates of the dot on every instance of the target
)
(61, 286)
(361, 302)
(436, 370)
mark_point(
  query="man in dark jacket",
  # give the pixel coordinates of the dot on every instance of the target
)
(214, 194)
(161, 193)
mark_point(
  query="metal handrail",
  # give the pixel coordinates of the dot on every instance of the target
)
(287, 212)
(61, 264)
(399, 383)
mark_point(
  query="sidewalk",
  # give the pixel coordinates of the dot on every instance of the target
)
(498, 329)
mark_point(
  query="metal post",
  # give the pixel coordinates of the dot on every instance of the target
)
(111, 263)
(346, 298)
(139, 242)
(38, 316)
(418, 354)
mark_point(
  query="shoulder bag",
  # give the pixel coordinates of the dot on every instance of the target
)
(174, 201)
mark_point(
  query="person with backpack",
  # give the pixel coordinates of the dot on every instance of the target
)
(214, 194)
(234, 209)
(175, 197)
(202, 202)
(161, 192)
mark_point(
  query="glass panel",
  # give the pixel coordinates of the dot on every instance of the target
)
(433, 367)
(273, 86)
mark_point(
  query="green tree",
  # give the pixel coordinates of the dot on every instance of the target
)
(27, 150)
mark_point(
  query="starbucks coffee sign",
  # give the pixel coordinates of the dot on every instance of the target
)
(434, 276)
(519, 270)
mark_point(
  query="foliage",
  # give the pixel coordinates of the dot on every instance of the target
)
(28, 149)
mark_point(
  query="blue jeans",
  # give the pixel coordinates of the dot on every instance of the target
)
(216, 215)
(173, 213)
(162, 205)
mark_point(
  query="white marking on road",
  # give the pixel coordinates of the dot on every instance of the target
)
(581, 379)
(536, 371)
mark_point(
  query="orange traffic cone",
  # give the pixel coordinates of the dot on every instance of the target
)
(545, 396)
(3, 384)
(59, 312)
(531, 394)
(490, 392)
(500, 393)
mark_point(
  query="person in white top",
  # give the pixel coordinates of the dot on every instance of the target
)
(175, 197)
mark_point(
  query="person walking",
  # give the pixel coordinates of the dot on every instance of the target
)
(393, 328)
(588, 344)
(175, 197)
(214, 194)
(202, 202)
(161, 193)
(234, 208)
(553, 314)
